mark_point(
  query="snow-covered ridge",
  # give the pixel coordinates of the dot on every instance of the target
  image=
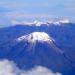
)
(39, 23)
(61, 21)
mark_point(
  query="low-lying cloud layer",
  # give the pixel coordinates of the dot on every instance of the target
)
(10, 68)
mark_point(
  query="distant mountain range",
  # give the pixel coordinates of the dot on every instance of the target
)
(48, 45)
(40, 23)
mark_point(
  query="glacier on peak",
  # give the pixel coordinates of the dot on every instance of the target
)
(36, 36)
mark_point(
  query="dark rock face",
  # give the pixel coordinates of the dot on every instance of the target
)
(43, 54)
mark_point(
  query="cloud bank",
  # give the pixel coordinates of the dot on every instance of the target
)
(10, 68)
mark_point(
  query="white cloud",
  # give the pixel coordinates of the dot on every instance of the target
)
(9, 68)
(40, 71)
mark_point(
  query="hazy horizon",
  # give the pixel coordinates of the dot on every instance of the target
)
(30, 10)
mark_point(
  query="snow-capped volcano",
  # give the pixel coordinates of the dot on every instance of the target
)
(41, 37)
(35, 37)
(49, 46)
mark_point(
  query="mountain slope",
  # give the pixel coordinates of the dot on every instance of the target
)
(49, 46)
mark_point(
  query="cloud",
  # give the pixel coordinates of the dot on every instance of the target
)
(40, 71)
(7, 68)
(10, 68)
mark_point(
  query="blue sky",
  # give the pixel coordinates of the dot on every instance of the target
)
(30, 10)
